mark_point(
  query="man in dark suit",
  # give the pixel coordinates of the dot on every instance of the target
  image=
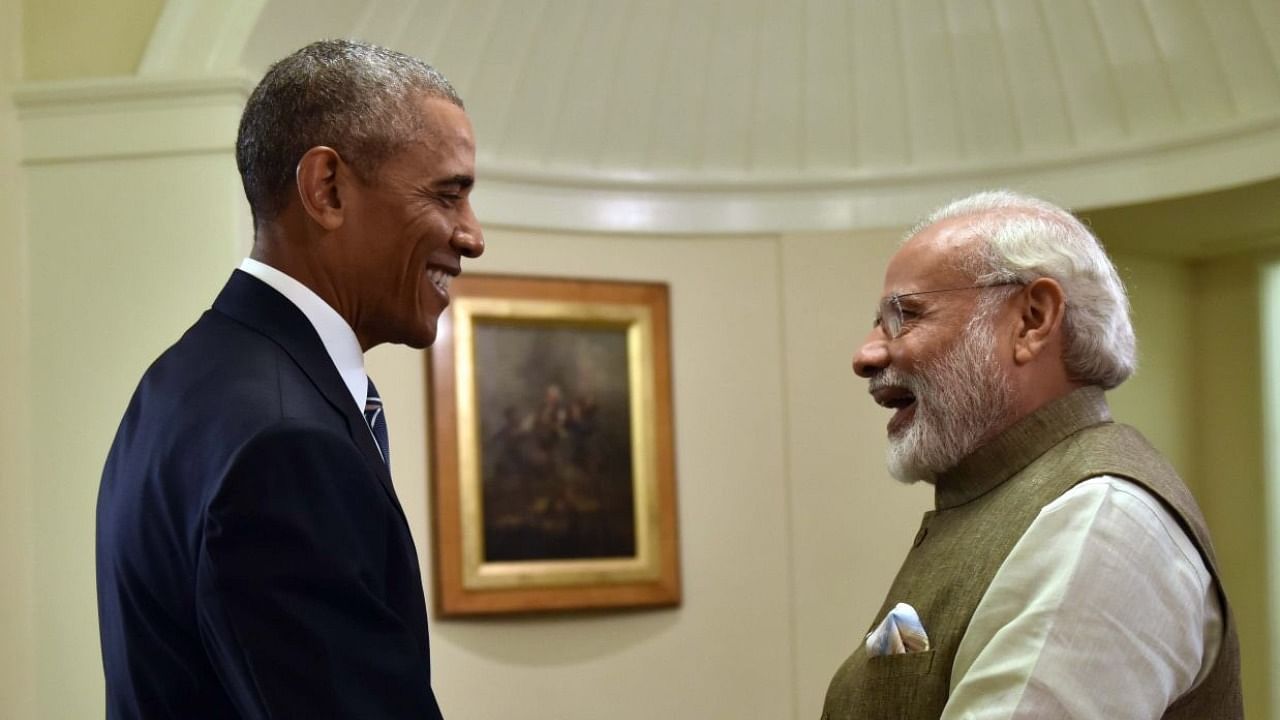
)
(253, 560)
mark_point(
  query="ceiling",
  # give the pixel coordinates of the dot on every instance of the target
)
(776, 115)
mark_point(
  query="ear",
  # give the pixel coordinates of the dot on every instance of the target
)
(1041, 310)
(320, 177)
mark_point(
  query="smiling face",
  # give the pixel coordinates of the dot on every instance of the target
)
(407, 228)
(942, 375)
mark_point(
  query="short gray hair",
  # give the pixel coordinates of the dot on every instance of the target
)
(351, 96)
(1022, 238)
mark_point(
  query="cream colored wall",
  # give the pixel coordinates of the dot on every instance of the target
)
(114, 282)
(791, 529)
(1158, 399)
(785, 559)
(17, 698)
(851, 524)
(768, 548)
(67, 39)
(726, 652)
(1197, 396)
(1228, 401)
(133, 217)
(47, 620)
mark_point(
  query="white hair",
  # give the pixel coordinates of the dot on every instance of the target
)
(1022, 238)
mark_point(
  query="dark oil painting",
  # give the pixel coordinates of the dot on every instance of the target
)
(555, 440)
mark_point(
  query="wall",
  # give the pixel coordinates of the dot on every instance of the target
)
(134, 220)
(1197, 397)
(85, 38)
(1229, 452)
(1158, 398)
(17, 675)
(820, 494)
(791, 529)
(726, 651)
(851, 523)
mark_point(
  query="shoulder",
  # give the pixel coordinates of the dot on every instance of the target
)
(221, 369)
(1120, 514)
(297, 463)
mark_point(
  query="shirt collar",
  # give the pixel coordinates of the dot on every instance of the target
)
(1012, 450)
(338, 337)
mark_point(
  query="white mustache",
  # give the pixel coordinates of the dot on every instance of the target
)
(893, 378)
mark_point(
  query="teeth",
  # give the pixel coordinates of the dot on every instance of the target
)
(439, 278)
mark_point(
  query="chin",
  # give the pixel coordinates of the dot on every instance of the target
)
(420, 340)
(417, 336)
(423, 336)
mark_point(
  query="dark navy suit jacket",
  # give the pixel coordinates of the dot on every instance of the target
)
(252, 558)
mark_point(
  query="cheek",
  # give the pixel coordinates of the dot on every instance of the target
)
(920, 350)
(431, 229)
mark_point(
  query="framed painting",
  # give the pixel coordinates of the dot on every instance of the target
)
(551, 447)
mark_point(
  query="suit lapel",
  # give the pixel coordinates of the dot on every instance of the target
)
(257, 305)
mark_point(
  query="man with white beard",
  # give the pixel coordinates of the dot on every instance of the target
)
(1066, 571)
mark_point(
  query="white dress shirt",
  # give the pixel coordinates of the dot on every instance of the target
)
(338, 337)
(1103, 609)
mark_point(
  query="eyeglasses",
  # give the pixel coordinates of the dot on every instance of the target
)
(891, 317)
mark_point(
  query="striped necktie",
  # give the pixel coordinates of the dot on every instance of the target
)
(377, 421)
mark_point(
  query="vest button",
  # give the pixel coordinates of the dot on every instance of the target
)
(924, 530)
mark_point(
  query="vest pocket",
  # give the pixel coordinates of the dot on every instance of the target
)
(901, 665)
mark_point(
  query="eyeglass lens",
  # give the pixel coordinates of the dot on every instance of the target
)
(890, 316)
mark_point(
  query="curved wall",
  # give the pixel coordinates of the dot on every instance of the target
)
(134, 218)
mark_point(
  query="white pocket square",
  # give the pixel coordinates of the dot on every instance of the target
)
(900, 632)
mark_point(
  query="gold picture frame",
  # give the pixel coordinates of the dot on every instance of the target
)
(552, 458)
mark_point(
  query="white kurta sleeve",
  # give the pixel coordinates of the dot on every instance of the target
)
(1103, 609)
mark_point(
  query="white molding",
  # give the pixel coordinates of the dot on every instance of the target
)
(695, 204)
(129, 117)
(146, 117)
(158, 116)
(194, 37)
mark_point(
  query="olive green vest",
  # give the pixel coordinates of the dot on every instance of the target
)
(983, 506)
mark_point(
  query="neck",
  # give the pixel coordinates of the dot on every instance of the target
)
(1020, 443)
(1040, 384)
(300, 254)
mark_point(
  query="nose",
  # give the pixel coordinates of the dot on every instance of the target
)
(872, 357)
(468, 237)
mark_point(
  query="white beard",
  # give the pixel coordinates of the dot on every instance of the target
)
(961, 398)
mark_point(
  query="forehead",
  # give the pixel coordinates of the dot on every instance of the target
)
(444, 122)
(930, 259)
(445, 144)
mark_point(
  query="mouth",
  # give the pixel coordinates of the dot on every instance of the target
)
(897, 398)
(441, 277)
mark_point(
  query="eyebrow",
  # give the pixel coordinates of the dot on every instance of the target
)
(910, 300)
(462, 182)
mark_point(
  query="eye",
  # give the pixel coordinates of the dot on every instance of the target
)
(447, 198)
(908, 313)
(451, 199)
